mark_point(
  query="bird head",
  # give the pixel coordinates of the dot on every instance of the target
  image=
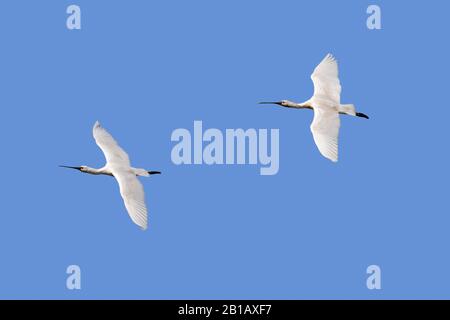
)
(283, 103)
(81, 168)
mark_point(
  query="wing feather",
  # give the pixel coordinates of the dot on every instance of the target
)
(326, 80)
(133, 195)
(118, 162)
(114, 154)
(326, 102)
(325, 130)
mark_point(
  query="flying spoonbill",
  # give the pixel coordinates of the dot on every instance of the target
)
(326, 103)
(118, 166)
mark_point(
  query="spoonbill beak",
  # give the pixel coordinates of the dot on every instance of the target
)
(154, 172)
(76, 168)
(276, 102)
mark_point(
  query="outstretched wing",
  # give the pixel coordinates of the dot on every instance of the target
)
(133, 196)
(114, 154)
(326, 80)
(325, 130)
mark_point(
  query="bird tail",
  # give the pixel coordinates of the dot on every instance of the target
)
(144, 173)
(347, 109)
(141, 172)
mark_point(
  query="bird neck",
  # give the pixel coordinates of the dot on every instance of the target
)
(97, 171)
(304, 105)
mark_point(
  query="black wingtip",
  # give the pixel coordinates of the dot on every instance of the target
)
(362, 115)
(154, 172)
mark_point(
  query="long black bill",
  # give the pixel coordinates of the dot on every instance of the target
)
(362, 115)
(76, 168)
(275, 102)
(154, 172)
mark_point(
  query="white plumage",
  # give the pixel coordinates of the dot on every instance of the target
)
(118, 165)
(133, 195)
(326, 103)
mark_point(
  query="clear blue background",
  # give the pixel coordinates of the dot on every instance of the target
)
(145, 68)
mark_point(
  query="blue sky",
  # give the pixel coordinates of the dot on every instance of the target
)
(146, 68)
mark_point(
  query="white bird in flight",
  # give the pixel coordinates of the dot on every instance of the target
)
(118, 165)
(326, 103)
